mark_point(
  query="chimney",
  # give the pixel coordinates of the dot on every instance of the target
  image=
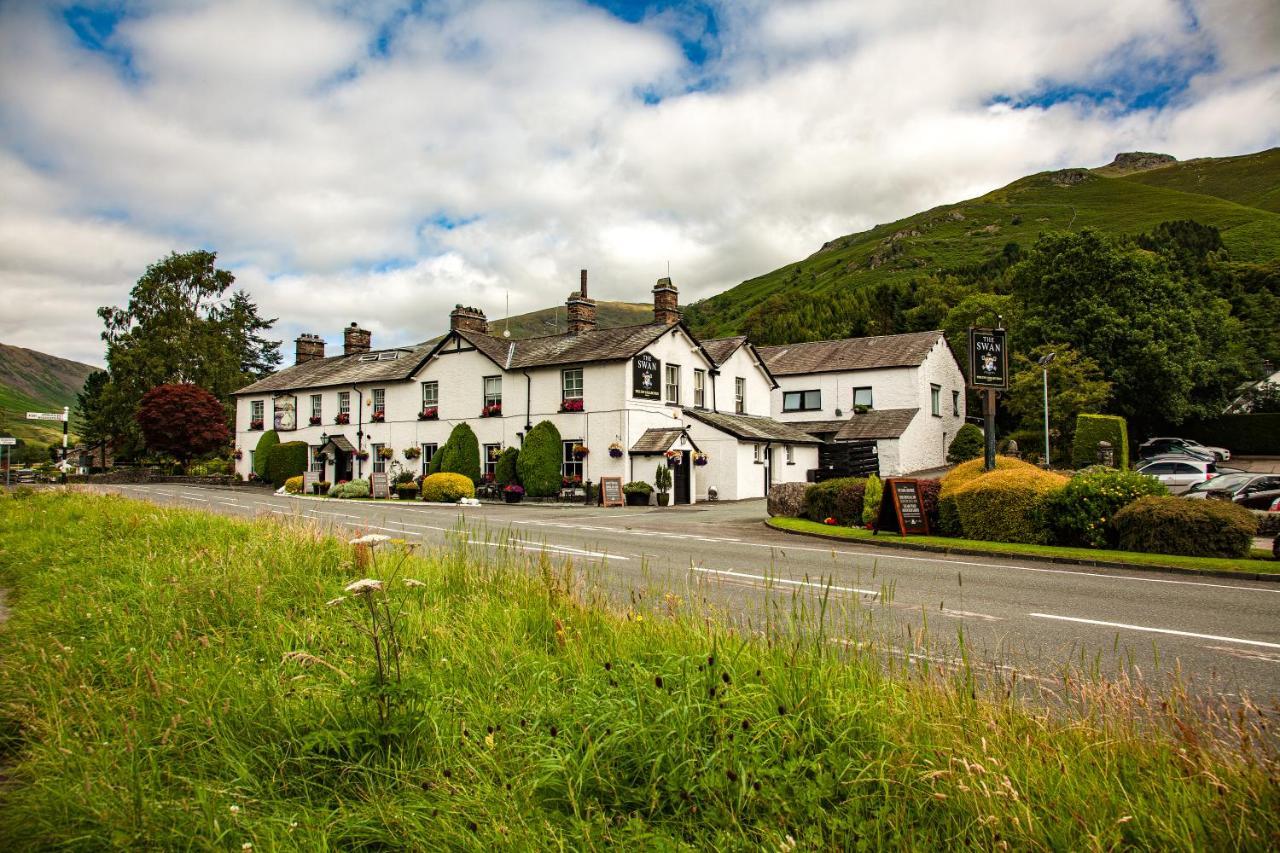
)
(468, 320)
(308, 348)
(666, 302)
(355, 340)
(582, 309)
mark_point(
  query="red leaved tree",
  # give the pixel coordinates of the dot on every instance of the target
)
(182, 421)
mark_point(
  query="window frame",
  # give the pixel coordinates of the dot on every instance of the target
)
(258, 412)
(489, 454)
(491, 399)
(870, 396)
(434, 399)
(790, 450)
(699, 388)
(756, 454)
(739, 395)
(317, 464)
(569, 466)
(673, 399)
(955, 404)
(317, 405)
(375, 454)
(379, 396)
(935, 400)
(344, 403)
(426, 455)
(803, 397)
(566, 392)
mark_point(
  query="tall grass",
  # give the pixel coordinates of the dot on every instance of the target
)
(170, 679)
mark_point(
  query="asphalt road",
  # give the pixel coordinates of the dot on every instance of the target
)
(1013, 619)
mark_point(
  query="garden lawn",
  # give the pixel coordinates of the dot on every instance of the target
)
(172, 679)
(1259, 564)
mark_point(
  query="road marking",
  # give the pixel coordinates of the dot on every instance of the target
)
(966, 614)
(1150, 630)
(762, 578)
(1247, 654)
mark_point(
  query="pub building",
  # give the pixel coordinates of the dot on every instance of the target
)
(633, 396)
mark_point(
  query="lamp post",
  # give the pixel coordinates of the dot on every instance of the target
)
(1044, 363)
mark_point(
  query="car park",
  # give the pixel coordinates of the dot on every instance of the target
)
(1179, 473)
(1153, 447)
(1254, 491)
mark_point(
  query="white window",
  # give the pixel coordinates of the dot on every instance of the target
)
(379, 402)
(955, 403)
(791, 455)
(430, 394)
(315, 406)
(344, 402)
(673, 384)
(801, 401)
(428, 451)
(863, 397)
(317, 464)
(379, 464)
(492, 391)
(740, 395)
(700, 388)
(571, 384)
(755, 451)
(256, 409)
(571, 468)
(935, 400)
(491, 454)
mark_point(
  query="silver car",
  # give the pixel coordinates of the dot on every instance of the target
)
(1179, 473)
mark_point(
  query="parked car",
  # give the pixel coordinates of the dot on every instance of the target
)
(1185, 446)
(1179, 473)
(1255, 491)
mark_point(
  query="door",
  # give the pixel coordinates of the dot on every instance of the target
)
(341, 466)
(680, 479)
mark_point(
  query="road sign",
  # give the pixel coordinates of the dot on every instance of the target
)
(7, 440)
(46, 416)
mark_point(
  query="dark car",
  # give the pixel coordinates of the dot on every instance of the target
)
(1255, 491)
(1183, 447)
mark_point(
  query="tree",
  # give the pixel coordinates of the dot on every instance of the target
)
(182, 420)
(968, 444)
(95, 409)
(461, 453)
(262, 453)
(1075, 386)
(539, 462)
(504, 472)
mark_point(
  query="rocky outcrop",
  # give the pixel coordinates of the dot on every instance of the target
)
(1128, 162)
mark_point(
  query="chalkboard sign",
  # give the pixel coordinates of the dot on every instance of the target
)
(988, 358)
(646, 376)
(611, 491)
(309, 479)
(379, 486)
(901, 508)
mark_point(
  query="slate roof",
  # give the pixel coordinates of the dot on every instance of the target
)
(877, 423)
(752, 427)
(721, 348)
(907, 350)
(817, 427)
(595, 345)
(657, 440)
(341, 370)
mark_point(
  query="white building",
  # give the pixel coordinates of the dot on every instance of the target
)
(645, 390)
(905, 393)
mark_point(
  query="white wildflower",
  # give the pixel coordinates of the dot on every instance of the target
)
(235, 809)
(334, 602)
(412, 582)
(248, 845)
(369, 539)
(362, 586)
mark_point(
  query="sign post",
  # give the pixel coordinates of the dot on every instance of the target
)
(611, 491)
(6, 444)
(65, 417)
(989, 372)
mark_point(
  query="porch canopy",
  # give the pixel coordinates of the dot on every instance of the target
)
(657, 441)
(336, 443)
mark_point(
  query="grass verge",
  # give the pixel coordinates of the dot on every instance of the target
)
(171, 679)
(1261, 564)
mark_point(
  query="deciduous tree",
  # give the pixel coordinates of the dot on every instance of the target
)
(182, 420)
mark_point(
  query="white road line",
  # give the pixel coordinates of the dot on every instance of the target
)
(966, 614)
(764, 579)
(1156, 630)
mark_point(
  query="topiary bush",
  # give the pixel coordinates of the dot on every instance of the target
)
(824, 500)
(504, 470)
(957, 478)
(460, 454)
(353, 489)
(1081, 514)
(1193, 528)
(538, 466)
(293, 485)
(871, 498)
(1091, 429)
(447, 487)
(285, 461)
(968, 444)
(268, 440)
(1007, 505)
(786, 499)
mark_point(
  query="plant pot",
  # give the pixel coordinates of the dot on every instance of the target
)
(663, 499)
(637, 499)
(512, 497)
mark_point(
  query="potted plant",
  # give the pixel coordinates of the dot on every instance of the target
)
(386, 453)
(493, 410)
(342, 418)
(430, 413)
(513, 494)
(407, 491)
(378, 416)
(362, 455)
(637, 493)
(321, 487)
(314, 420)
(255, 424)
(572, 404)
(580, 451)
(699, 458)
(674, 457)
(662, 481)
(615, 450)
(412, 453)
(238, 453)
(574, 482)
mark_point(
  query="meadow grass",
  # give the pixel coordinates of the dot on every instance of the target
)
(172, 679)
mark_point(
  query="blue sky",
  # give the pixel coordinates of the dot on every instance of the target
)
(379, 161)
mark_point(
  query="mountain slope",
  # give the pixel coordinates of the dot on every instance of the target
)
(35, 381)
(1249, 179)
(976, 231)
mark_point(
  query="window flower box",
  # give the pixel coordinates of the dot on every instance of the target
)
(574, 482)
(378, 417)
(314, 420)
(255, 424)
(571, 404)
(342, 418)
(615, 450)
(580, 451)
(430, 413)
(492, 411)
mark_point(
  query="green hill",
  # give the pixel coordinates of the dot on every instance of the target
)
(971, 233)
(33, 381)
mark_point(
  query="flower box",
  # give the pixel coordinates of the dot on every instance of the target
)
(412, 453)
(386, 453)
(314, 420)
(492, 411)
(238, 454)
(378, 417)
(255, 424)
(615, 450)
(342, 418)
(572, 404)
(430, 413)
(571, 482)
(674, 457)
(362, 455)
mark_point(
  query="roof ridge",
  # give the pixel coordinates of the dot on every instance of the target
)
(843, 340)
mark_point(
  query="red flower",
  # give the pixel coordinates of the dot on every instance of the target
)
(828, 520)
(573, 404)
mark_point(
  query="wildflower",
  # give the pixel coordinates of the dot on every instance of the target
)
(235, 809)
(413, 582)
(334, 602)
(488, 741)
(362, 586)
(293, 824)
(369, 539)
(248, 845)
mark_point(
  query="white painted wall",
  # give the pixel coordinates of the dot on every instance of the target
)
(758, 399)
(891, 388)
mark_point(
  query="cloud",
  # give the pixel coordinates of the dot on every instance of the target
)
(381, 162)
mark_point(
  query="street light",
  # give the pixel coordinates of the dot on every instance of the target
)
(1044, 363)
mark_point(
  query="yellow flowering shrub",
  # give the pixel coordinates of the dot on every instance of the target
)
(1005, 505)
(960, 476)
(447, 488)
(293, 485)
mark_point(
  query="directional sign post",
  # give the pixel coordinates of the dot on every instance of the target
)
(6, 443)
(65, 417)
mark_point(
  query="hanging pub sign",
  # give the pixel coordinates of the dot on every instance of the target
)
(988, 358)
(286, 412)
(901, 509)
(646, 373)
(611, 491)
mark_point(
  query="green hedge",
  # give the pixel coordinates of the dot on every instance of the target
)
(1193, 528)
(1248, 434)
(1091, 429)
(285, 461)
(1007, 505)
(268, 440)
(504, 471)
(460, 454)
(968, 444)
(538, 465)
(840, 499)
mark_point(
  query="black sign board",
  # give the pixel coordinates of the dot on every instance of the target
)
(379, 485)
(901, 509)
(611, 491)
(988, 359)
(646, 377)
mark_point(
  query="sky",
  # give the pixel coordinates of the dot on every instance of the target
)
(379, 162)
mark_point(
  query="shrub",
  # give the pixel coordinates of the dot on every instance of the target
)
(637, 487)
(198, 470)
(538, 466)
(1268, 522)
(968, 444)
(217, 466)
(1006, 505)
(293, 485)
(1195, 528)
(786, 499)
(871, 499)
(929, 501)
(447, 487)
(268, 440)
(1091, 429)
(504, 471)
(353, 489)
(460, 454)
(820, 499)
(285, 461)
(404, 477)
(1081, 513)
(957, 478)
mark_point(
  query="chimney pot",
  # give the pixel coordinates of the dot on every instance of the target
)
(581, 309)
(356, 340)
(468, 319)
(308, 348)
(666, 302)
